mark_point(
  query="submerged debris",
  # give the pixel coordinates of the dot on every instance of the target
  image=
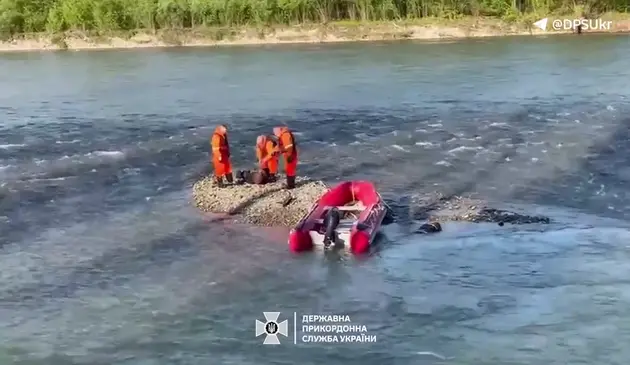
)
(440, 208)
(264, 205)
(503, 216)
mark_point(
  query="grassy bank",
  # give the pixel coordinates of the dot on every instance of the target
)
(78, 24)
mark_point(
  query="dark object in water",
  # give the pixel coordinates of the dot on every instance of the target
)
(503, 216)
(437, 206)
(432, 227)
(389, 217)
(331, 221)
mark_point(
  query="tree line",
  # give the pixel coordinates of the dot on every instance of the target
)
(33, 16)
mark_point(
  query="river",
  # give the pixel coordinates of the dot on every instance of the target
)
(104, 261)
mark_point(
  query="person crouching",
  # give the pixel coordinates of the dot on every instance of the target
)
(267, 155)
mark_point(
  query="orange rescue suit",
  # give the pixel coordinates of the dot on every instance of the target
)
(289, 151)
(267, 157)
(220, 154)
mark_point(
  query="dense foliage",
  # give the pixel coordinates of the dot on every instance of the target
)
(27, 16)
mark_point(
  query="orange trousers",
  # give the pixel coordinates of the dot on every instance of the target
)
(272, 165)
(290, 167)
(221, 168)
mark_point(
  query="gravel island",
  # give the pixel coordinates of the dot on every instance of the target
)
(263, 205)
(272, 205)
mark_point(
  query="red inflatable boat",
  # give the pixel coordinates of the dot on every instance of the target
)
(361, 210)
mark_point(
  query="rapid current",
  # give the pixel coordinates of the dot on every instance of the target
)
(103, 260)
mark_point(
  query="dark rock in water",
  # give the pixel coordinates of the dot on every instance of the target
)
(441, 208)
(432, 227)
(488, 215)
(503, 216)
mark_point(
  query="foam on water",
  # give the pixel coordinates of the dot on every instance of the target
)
(9, 146)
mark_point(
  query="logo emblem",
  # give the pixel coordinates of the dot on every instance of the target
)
(542, 24)
(271, 328)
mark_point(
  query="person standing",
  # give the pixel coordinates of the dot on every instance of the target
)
(288, 148)
(221, 155)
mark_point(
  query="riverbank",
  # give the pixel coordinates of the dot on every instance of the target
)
(426, 29)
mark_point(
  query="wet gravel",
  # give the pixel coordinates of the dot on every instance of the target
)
(272, 205)
(262, 205)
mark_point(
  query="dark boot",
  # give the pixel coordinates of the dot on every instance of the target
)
(266, 171)
(218, 181)
(272, 177)
(230, 178)
(290, 182)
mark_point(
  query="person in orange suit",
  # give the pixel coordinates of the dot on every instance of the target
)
(288, 148)
(267, 155)
(221, 155)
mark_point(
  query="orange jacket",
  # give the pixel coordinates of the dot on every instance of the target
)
(220, 145)
(267, 151)
(288, 146)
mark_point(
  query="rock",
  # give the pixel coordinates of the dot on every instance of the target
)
(286, 201)
(264, 205)
(440, 208)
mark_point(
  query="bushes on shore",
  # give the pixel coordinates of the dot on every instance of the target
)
(31, 16)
